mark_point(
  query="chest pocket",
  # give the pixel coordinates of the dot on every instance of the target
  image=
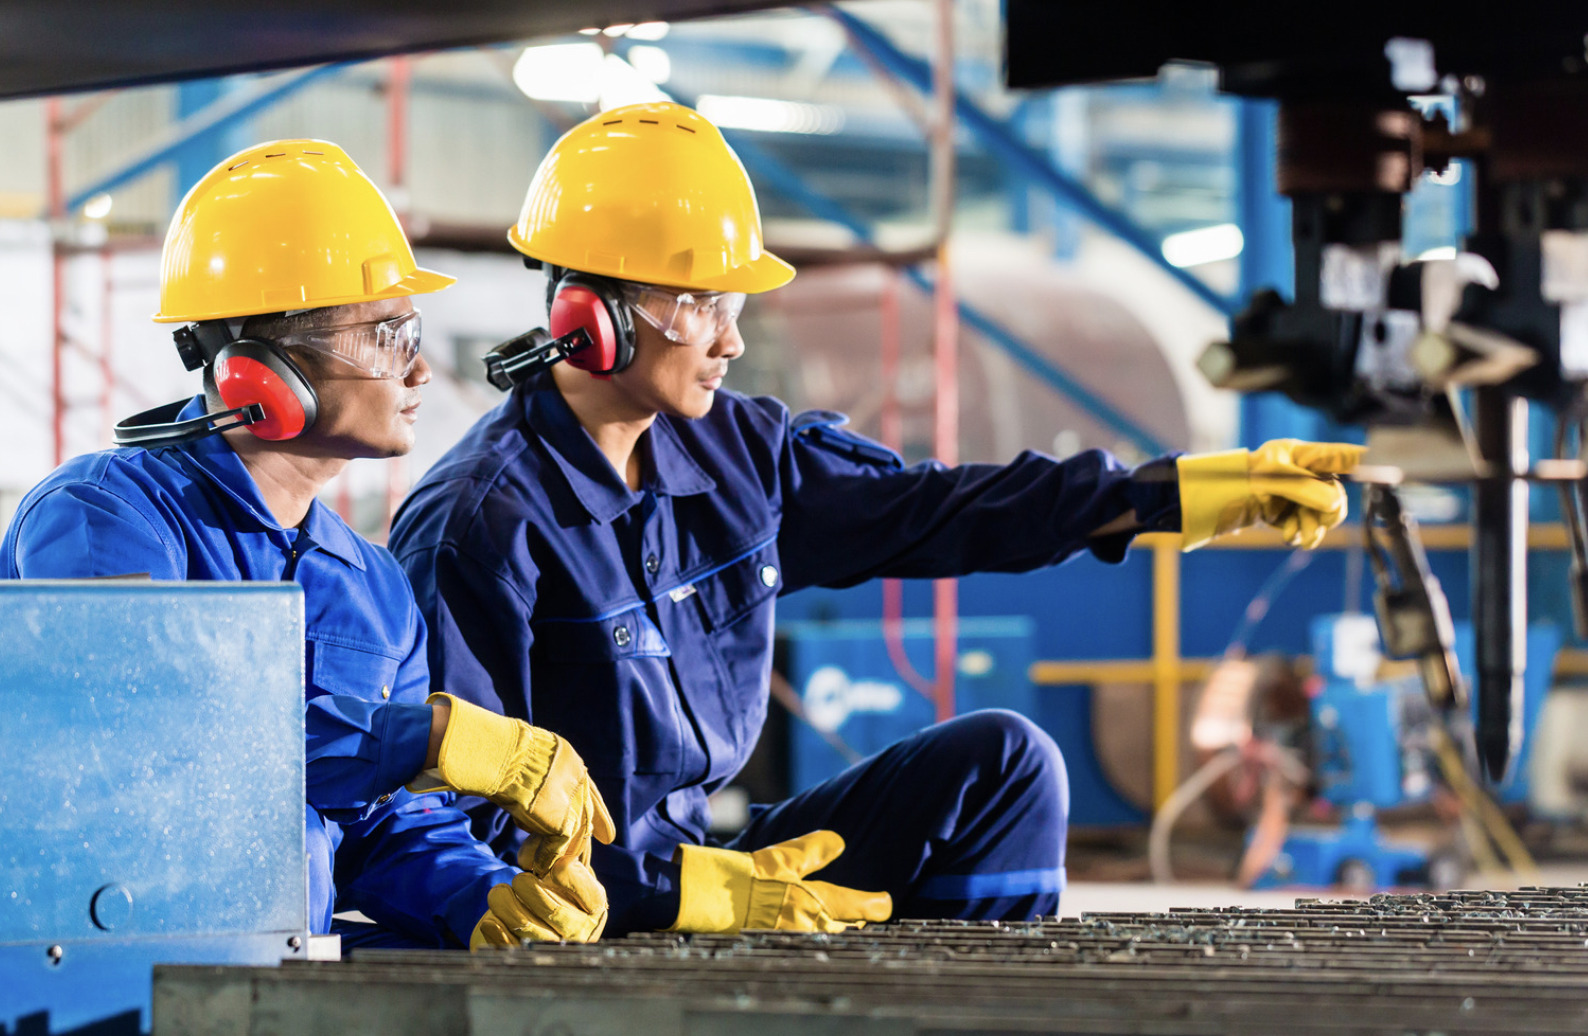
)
(745, 586)
(736, 606)
(339, 669)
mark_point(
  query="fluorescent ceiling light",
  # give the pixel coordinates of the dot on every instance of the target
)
(648, 31)
(1203, 245)
(621, 84)
(98, 207)
(560, 72)
(650, 62)
(581, 73)
(771, 116)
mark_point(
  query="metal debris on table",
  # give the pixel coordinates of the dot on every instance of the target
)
(1435, 963)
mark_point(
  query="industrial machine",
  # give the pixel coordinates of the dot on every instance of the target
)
(153, 736)
(855, 698)
(1451, 346)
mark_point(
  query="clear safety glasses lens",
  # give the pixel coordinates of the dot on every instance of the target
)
(686, 317)
(381, 349)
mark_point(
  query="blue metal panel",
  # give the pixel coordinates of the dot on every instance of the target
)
(850, 687)
(160, 729)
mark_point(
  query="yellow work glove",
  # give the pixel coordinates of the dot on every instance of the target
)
(1286, 483)
(724, 891)
(530, 772)
(568, 905)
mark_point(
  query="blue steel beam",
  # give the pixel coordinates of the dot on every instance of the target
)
(997, 137)
(213, 118)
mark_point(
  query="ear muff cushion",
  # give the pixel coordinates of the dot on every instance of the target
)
(598, 308)
(249, 371)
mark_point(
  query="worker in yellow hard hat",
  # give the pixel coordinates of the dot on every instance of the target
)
(293, 286)
(602, 555)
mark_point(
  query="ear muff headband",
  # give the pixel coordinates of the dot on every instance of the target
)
(596, 305)
(251, 371)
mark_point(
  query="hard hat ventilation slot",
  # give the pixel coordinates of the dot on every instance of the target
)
(239, 165)
(686, 129)
(278, 154)
(614, 122)
(314, 152)
(650, 122)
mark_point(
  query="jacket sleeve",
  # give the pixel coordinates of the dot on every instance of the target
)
(852, 511)
(414, 866)
(80, 530)
(480, 640)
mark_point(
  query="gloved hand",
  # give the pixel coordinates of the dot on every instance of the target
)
(569, 904)
(530, 772)
(724, 891)
(1286, 483)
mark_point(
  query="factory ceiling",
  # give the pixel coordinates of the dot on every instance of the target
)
(49, 47)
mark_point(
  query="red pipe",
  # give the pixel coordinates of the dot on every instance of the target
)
(893, 438)
(397, 88)
(945, 342)
(56, 196)
(107, 372)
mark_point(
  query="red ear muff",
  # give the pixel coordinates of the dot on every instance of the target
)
(597, 306)
(250, 371)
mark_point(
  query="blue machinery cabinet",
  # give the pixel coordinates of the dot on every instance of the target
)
(849, 687)
(152, 809)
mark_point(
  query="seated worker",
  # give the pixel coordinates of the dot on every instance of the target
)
(292, 278)
(601, 555)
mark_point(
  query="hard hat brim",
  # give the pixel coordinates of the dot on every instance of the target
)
(420, 282)
(761, 274)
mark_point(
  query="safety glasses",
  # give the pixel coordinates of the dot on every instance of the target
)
(379, 348)
(686, 317)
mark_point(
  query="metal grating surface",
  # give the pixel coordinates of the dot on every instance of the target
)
(1451, 963)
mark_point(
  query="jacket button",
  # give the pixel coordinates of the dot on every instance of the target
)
(385, 690)
(622, 636)
(768, 575)
(652, 563)
(383, 800)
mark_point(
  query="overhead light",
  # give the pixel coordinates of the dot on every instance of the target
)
(560, 72)
(768, 115)
(621, 84)
(650, 62)
(98, 207)
(1203, 245)
(582, 73)
(591, 31)
(619, 29)
(648, 31)
(1442, 252)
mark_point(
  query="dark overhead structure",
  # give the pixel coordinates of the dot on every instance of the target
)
(47, 47)
(1368, 334)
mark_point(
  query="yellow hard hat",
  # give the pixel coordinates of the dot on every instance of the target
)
(649, 193)
(293, 224)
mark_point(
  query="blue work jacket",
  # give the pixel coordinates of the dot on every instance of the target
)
(638, 623)
(193, 512)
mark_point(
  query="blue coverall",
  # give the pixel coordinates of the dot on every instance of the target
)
(638, 624)
(193, 512)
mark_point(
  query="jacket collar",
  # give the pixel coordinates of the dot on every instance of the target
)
(669, 469)
(215, 457)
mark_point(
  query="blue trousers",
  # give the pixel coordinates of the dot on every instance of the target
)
(965, 819)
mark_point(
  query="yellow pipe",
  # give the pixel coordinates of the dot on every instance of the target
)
(1165, 669)
(1547, 536)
